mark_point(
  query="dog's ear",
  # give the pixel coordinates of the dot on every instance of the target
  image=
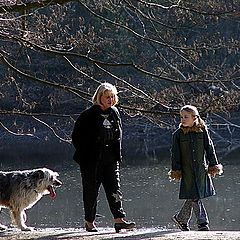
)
(38, 174)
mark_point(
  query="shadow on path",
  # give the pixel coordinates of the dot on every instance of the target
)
(109, 233)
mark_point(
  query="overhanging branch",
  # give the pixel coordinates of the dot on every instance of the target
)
(18, 8)
(72, 90)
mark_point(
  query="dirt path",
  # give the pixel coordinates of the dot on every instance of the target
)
(108, 233)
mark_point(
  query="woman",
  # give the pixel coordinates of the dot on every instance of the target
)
(194, 161)
(97, 137)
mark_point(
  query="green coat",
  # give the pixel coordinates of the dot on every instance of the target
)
(192, 153)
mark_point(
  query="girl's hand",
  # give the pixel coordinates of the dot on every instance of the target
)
(215, 170)
(175, 175)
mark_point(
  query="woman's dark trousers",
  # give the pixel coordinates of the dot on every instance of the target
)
(92, 178)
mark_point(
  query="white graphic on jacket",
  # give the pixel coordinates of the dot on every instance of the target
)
(106, 122)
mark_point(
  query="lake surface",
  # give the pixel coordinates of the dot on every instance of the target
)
(150, 199)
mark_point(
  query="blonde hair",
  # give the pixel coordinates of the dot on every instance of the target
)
(194, 112)
(190, 109)
(101, 90)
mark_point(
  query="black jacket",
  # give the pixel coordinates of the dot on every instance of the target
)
(85, 135)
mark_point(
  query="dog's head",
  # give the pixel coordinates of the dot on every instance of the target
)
(46, 181)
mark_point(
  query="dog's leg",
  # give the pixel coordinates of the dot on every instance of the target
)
(24, 218)
(13, 219)
(2, 227)
(20, 217)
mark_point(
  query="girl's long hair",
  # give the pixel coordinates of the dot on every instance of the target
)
(199, 125)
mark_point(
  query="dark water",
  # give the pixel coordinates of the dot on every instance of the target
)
(149, 199)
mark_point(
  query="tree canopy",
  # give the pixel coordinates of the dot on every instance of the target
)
(160, 54)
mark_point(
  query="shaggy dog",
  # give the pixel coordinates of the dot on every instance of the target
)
(20, 190)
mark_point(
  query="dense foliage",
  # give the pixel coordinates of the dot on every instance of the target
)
(160, 54)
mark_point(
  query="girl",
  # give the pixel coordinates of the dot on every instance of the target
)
(194, 161)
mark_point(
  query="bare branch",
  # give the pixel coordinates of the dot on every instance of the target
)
(72, 90)
(160, 5)
(63, 53)
(180, 6)
(132, 31)
(80, 71)
(32, 5)
(53, 131)
(16, 133)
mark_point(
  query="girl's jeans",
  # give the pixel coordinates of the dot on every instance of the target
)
(195, 205)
